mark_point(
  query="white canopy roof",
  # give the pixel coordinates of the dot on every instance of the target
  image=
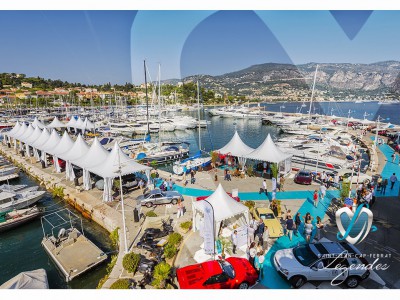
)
(79, 149)
(71, 123)
(28, 132)
(42, 138)
(36, 279)
(56, 123)
(95, 156)
(79, 124)
(236, 147)
(268, 151)
(14, 130)
(20, 131)
(224, 206)
(365, 122)
(34, 136)
(109, 168)
(65, 144)
(51, 143)
(37, 123)
(87, 124)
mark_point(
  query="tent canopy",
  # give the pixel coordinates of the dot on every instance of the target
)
(87, 125)
(34, 136)
(79, 124)
(56, 123)
(36, 279)
(44, 137)
(95, 156)
(65, 144)
(268, 151)
(37, 123)
(14, 130)
(51, 143)
(236, 147)
(20, 131)
(225, 207)
(79, 149)
(71, 123)
(28, 132)
(110, 167)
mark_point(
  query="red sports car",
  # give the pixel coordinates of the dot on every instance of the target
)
(232, 273)
(205, 197)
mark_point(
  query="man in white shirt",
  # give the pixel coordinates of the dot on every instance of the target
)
(234, 241)
(336, 181)
(322, 191)
(264, 187)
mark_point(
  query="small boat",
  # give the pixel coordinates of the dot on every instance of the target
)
(12, 188)
(15, 218)
(8, 170)
(11, 200)
(36, 279)
(191, 163)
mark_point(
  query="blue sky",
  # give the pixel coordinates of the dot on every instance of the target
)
(109, 46)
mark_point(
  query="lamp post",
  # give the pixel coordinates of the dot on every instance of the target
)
(122, 202)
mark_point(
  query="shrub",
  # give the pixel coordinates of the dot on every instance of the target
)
(170, 250)
(344, 192)
(153, 164)
(131, 261)
(174, 238)
(121, 284)
(250, 170)
(151, 214)
(114, 237)
(186, 225)
(274, 170)
(58, 192)
(161, 274)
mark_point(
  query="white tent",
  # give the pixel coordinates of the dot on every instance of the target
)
(32, 138)
(236, 147)
(18, 134)
(36, 279)
(51, 143)
(225, 209)
(71, 123)
(94, 157)
(269, 152)
(87, 125)
(37, 123)
(109, 169)
(24, 137)
(14, 130)
(78, 150)
(79, 124)
(65, 144)
(40, 141)
(56, 123)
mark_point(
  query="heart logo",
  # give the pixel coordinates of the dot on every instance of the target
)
(353, 227)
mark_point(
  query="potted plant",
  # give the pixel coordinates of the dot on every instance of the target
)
(226, 245)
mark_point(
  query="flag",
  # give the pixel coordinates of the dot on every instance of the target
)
(208, 228)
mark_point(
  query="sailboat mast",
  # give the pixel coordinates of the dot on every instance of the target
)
(312, 95)
(198, 112)
(159, 105)
(147, 98)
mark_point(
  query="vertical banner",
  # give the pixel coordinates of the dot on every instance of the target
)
(208, 228)
(241, 236)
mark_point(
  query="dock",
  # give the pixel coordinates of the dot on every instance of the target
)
(71, 251)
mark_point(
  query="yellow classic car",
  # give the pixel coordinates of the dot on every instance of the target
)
(267, 216)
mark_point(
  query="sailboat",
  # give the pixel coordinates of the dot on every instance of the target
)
(197, 160)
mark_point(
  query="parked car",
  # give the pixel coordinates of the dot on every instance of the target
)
(303, 177)
(158, 196)
(269, 219)
(205, 197)
(346, 173)
(231, 273)
(320, 262)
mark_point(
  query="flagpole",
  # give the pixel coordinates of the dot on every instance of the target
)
(122, 202)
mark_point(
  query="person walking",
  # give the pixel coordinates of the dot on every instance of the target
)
(141, 184)
(250, 234)
(252, 253)
(180, 209)
(265, 239)
(234, 241)
(384, 185)
(315, 198)
(379, 183)
(322, 191)
(297, 222)
(288, 214)
(263, 189)
(289, 227)
(261, 260)
(308, 228)
(393, 157)
(320, 226)
(254, 225)
(170, 184)
(282, 184)
(260, 230)
(393, 180)
(192, 179)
